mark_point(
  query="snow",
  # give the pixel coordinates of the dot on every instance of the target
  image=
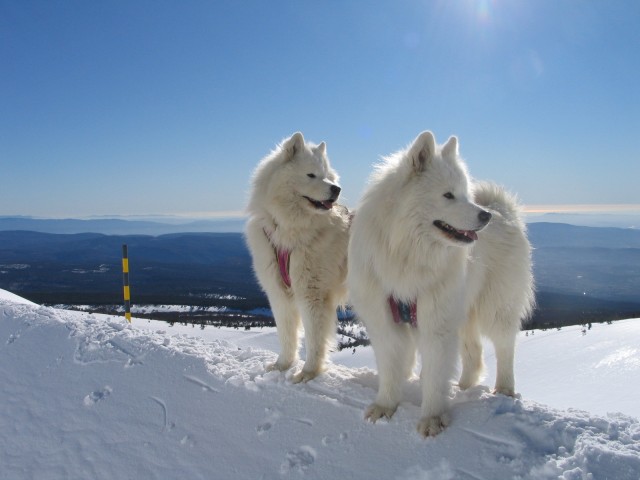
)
(8, 297)
(91, 396)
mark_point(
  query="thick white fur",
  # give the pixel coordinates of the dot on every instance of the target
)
(317, 240)
(462, 290)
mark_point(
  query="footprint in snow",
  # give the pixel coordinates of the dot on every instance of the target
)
(331, 439)
(98, 395)
(273, 414)
(298, 460)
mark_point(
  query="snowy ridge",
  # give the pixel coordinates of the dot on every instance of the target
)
(90, 396)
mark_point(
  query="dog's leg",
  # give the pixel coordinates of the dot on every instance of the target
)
(394, 349)
(504, 343)
(471, 353)
(319, 321)
(281, 301)
(287, 321)
(438, 344)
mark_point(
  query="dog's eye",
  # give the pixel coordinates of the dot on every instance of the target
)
(449, 196)
(311, 175)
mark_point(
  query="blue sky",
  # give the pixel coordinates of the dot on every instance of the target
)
(164, 107)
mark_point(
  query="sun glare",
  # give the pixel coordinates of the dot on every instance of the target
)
(483, 10)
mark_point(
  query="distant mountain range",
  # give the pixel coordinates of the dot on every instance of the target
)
(583, 274)
(628, 219)
(602, 263)
(546, 234)
(116, 226)
(161, 225)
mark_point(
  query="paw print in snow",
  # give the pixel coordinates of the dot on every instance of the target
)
(98, 395)
(299, 460)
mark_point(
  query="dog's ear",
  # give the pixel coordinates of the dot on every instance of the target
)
(422, 151)
(320, 149)
(293, 145)
(450, 149)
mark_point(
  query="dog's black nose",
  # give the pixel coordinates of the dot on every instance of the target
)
(484, 216)
(335, 190)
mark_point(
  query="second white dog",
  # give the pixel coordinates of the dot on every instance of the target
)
(298, 236)
(432, 259)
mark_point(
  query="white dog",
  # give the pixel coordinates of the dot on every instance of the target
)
(298, 238)
(434, 259)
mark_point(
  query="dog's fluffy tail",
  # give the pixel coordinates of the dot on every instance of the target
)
(497, 198)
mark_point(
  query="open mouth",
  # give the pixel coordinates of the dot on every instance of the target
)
(466, 236)
(321, 204)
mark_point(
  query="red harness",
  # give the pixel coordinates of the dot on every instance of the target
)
(404, 312)
(282, 256)
(283, 263)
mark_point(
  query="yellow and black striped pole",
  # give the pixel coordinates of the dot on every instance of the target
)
(125, 281)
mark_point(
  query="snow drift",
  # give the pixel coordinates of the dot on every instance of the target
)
(90, 396)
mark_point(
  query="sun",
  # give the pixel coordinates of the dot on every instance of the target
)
(483, 10)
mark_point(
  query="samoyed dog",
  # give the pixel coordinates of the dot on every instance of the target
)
(436, 260)
(298, 237)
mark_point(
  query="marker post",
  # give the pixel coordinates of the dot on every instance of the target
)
(125, 281)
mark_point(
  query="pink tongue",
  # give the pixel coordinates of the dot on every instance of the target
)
(471, 234)
(327, 204)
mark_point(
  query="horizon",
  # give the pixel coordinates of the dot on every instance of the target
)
(528, 210)
(608, 216)
(126, 108)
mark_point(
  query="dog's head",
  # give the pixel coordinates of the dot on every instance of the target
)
(441, 194)
(296, 175)
(312, 178)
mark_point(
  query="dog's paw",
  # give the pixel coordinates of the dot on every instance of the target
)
(304, 376)
(465, 385)
(278, 366)
(375, 412)
(432, 426)
(509, 392)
